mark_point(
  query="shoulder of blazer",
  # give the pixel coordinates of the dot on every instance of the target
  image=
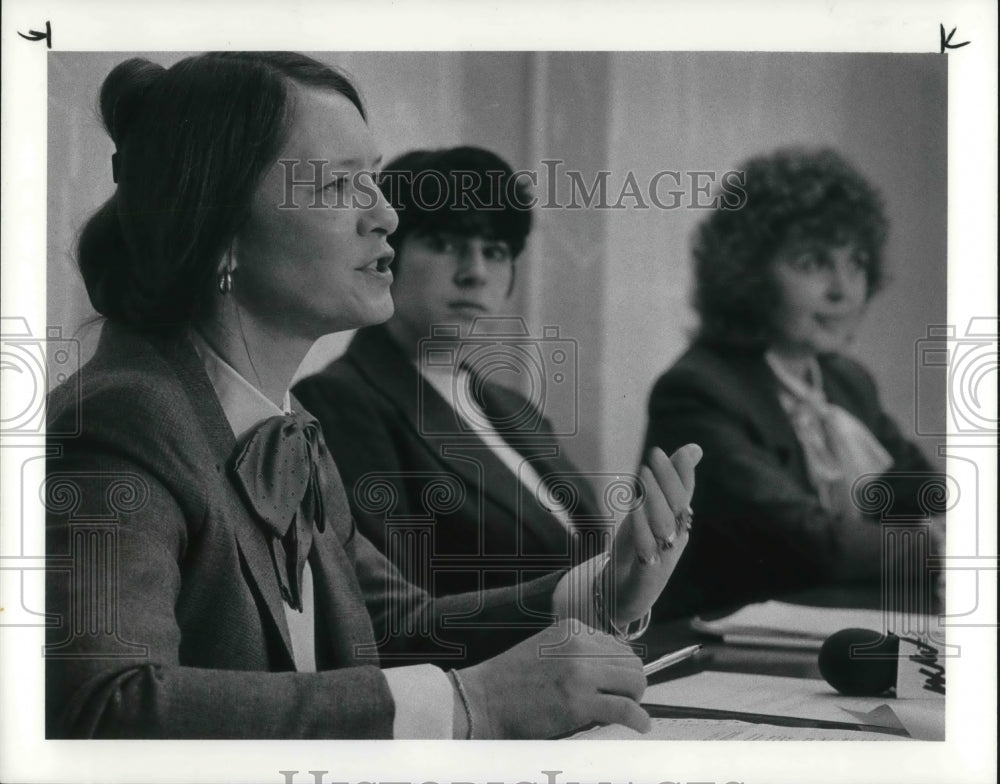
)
(376, 359)
(726, 378)
(353, 382)
(734, 386)
(339, 379)
(148, 402)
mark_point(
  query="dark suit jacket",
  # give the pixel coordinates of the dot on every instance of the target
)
(395, 439)
(759, 527)
(167, 618)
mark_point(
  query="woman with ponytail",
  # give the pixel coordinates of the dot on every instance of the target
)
(207, 578)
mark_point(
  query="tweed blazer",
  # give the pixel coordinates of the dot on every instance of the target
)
(166, 615)
(394, 437)
(759, 527)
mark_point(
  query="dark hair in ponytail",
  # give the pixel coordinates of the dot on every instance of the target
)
(192, 144)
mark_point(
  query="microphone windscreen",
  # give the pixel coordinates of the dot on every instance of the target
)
(860, 662)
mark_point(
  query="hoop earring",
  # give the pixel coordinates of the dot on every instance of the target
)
(225, 281)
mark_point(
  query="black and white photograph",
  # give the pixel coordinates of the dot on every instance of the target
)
(498, 396)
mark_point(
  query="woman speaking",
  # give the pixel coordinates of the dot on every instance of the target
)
(234, 597)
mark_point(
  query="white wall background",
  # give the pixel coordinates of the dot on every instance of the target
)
(615, 281)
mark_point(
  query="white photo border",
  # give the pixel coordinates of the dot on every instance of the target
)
(352, 26)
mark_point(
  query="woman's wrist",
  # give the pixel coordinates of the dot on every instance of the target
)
(605, 608)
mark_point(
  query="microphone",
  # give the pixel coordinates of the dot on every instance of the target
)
(866, 663)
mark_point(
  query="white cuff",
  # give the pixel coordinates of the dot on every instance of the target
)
(425, 702)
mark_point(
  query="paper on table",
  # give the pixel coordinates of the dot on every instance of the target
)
(798, 697)
(804, 698)
(791, 620)
(795, 697)
(710, 729)
(924, 719)
(882, 715)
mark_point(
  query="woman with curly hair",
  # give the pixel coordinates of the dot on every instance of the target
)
(788, 424)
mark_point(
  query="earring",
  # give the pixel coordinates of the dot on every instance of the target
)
(226, 281)
(226, 276)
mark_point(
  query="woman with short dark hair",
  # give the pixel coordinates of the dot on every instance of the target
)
(398, 423)
(206, 577)
(788, 424)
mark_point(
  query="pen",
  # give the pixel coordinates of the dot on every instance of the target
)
(670, 659)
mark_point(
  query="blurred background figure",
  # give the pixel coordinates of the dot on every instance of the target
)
(788, 423)
(439, 440)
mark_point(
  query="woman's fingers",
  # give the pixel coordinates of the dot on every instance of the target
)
(620, 688)
(651, 539)
(668, 478)
(675, 476)
(684, 461)
(611, 709)
(644, 543)
(662, 523)
(622, 676)
(603, 681)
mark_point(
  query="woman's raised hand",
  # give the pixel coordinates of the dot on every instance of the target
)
(651, 539)
(570, 675)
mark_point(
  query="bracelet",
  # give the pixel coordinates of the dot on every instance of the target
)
(628, 634)
(631, 634)
(453, 674)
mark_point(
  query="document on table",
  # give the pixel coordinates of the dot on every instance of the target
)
(760, 697)
(803, 698)
(711, 729)
(795, 625)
